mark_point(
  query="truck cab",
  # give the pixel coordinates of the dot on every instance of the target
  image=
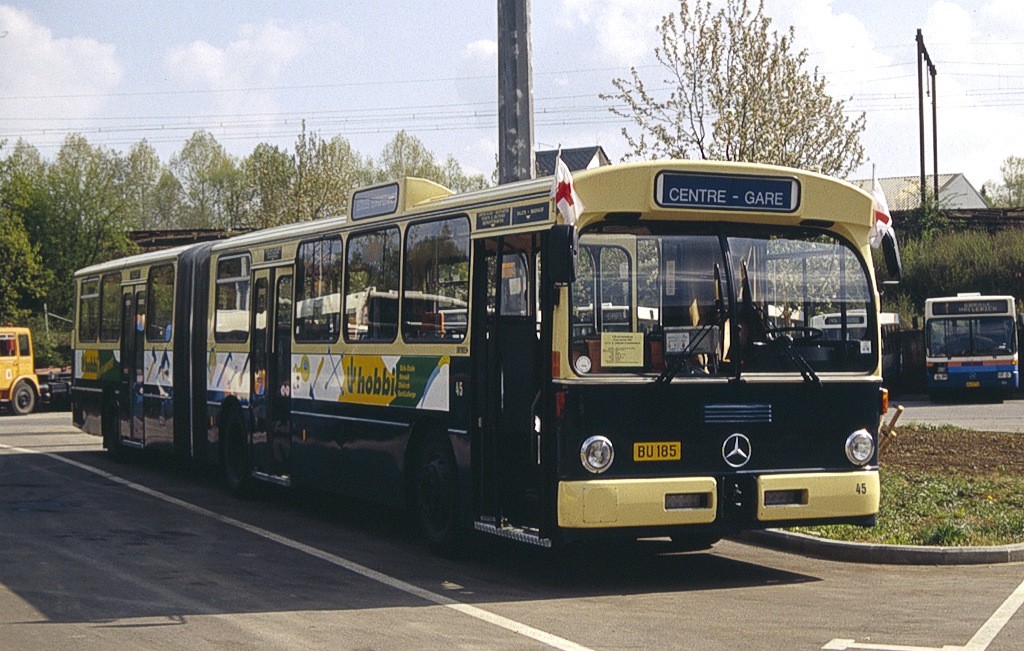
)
(20, 386)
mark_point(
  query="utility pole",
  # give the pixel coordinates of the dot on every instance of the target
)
(922, 56)
(515, 92)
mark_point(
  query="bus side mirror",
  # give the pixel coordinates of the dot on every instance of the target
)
(563, 248)
(891, 253)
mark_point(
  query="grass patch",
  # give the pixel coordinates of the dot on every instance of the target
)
(936, 508)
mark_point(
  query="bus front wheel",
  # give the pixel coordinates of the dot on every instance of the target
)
(434, 499)
(110, 425)
(235, 457)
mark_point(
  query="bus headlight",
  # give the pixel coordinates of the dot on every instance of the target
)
(597, 454)
(859, 447)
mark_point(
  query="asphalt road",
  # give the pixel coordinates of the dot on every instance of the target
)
(984, 415)
(143, 555)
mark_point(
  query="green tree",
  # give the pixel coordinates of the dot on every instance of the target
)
(24, 187)
(168, 201)
(325, 173)
(735, 92)
(1009, 193)
(211, 182)
(86, 220)
(22, 277)
(269, 173)
(455, 178)
(406, 155)
(142, 171)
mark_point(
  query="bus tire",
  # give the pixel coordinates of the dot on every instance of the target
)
(434, 496)
(235, 457)
(110, 424)
(23, 399)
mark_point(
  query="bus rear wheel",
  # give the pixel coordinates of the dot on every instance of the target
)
(434, 498)
(23, 399)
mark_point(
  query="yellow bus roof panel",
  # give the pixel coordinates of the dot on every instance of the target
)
(729, 191)
(388, 199)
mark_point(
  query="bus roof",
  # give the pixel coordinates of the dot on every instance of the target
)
(286, 231)
(140, 259)
(625, 187)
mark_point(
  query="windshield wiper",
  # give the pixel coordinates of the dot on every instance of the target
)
(785, 342)
(767, 334)
(683, 358)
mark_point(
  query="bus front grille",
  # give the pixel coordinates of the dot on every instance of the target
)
(719, 414)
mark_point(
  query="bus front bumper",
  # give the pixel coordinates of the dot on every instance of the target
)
(608, 503)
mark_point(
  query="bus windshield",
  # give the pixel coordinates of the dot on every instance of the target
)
(720, 303)
(965, 336)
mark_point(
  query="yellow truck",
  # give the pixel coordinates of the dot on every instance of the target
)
(22, 385)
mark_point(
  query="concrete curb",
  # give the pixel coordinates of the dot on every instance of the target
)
(854, 552)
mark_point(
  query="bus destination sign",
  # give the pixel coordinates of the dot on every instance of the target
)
(727, 192)
(374, 202)
(961, 308)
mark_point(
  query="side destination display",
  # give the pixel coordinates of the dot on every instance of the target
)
(727, 192)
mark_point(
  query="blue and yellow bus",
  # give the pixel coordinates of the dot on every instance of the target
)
(971, 343)
(441, 351)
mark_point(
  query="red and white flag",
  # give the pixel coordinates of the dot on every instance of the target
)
(564, 193)
(883, 220)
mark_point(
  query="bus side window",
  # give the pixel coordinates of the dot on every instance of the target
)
(372, 273)
(318, 290)
(435, 288)
(110, 307)
(89, 310)
(161, 303)
(515, 285)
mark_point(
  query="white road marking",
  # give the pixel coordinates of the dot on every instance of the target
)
(980, 642)
(543, 637)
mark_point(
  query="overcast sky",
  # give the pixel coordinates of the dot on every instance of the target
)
(250, 71)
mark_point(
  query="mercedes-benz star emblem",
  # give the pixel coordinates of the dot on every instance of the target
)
(736, 450)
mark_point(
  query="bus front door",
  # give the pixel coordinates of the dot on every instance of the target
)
(133, 331)
(506, 369)
(270, 380)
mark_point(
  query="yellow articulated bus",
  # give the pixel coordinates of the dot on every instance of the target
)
(443, 352)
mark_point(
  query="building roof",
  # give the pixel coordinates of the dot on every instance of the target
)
(580, 158)
(903, 193)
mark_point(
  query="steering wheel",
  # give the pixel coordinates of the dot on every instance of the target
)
(809, 333)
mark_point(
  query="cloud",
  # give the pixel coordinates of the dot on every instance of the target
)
(241, 76)
(483, 50)
(48, 81)
(623, 29)
(257, 56)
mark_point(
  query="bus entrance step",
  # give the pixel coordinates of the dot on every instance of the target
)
(280, 480)
(519, 534)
